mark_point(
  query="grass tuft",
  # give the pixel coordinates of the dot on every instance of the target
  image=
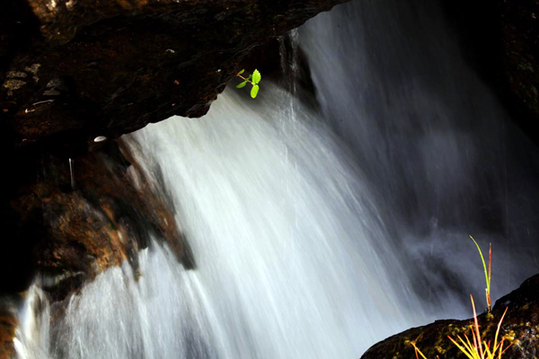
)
(487, 271)
(477, 348)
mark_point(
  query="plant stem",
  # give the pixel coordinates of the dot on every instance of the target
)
(243, 78)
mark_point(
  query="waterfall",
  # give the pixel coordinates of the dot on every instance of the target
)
(318, 230)
(292, 255)
(291, 247)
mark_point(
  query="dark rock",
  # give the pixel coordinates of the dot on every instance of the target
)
(500, 40)
(71, 223)
(74, 70)
(520, 326)
(520, 35)
(292, 75)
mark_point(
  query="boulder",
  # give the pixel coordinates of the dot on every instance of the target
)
(72, 70)
(519, 327)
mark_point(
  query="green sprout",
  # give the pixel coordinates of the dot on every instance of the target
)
(253, 79)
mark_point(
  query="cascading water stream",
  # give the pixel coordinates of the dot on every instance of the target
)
(306, 244)
(292, 240)
(265, 286)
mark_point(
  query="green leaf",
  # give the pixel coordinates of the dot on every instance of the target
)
(242, 71)
(241, 85)
(256, 76)
(484, 264)
(254, 91)
(250, 77)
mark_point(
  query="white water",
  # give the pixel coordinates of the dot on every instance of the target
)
(286, 236)
(159, 316)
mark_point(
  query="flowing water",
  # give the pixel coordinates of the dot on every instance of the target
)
(447, 162)
(318, 229)
(291, 255)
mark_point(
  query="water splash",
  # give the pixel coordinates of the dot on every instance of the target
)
(157, 316)
(32, 337)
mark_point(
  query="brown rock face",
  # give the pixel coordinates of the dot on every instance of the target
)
(69, 219)
(75, 69)
(80, 216)
(520, 326)
(8, 324)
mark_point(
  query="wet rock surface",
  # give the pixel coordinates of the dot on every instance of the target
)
(520, 327)
(75, 217)
(71, 218)
(73, 70)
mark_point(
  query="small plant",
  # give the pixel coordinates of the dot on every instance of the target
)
(478, 348)
(253, 79)
(487, 271)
